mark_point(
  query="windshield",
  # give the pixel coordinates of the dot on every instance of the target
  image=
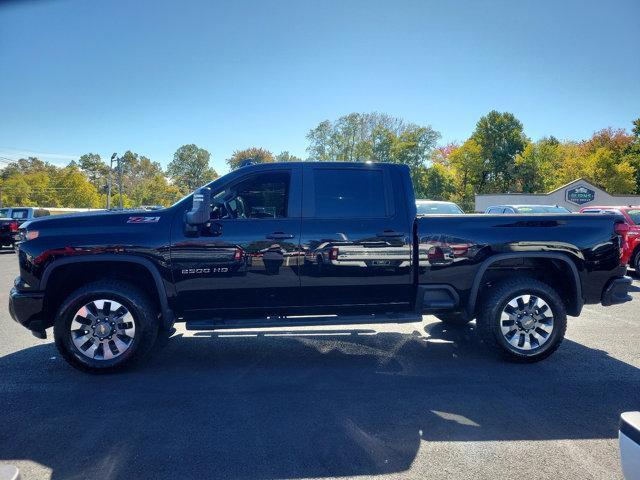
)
(434, 208)
(543, 209)
(635, 215)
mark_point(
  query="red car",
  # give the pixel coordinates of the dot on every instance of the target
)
(631, 238)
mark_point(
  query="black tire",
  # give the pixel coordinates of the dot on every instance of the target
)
(489, 323)
(321, 268)
(145, 318)
(454, 319)
(636, 263)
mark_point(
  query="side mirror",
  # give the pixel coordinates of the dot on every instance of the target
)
(199, 213)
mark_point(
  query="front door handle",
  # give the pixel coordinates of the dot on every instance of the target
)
(279, 236)
(390, 234)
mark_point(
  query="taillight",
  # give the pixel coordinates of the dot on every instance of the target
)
(622, 229)
(436, 254)
(237, 255)
(333, 253)
(13, 226)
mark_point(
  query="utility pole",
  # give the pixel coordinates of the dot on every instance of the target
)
(120, 180)
(109, 183)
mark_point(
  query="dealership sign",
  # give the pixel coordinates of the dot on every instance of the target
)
(580, 195)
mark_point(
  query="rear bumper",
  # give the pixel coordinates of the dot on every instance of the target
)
(616, 291)
(26, 308)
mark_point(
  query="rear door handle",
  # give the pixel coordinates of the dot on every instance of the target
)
(279, 236)
(390, 234)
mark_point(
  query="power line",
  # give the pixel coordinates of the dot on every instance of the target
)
(13, 187)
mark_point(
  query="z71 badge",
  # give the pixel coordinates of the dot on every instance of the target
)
(143, 220)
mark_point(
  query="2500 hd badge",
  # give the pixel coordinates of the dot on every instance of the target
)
(191, 271)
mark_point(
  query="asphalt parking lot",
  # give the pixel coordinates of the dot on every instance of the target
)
(410, 401)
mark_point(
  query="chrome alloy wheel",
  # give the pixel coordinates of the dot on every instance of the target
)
(102, 329)
(526, 322)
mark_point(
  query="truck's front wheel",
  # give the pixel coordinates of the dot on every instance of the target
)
(523, 319)
(105, 326)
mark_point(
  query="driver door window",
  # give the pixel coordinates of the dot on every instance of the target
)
(262, 196)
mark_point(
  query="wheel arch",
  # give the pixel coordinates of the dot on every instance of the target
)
(143, 267)
(574, 299)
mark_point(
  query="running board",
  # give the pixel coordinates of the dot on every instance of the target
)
(302, 321)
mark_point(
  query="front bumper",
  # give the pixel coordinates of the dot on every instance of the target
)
(26, 308)
(616, 291)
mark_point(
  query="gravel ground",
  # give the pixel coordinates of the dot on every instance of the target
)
(398, 401)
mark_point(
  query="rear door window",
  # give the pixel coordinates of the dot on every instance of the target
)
(20, 213)
(349, 193)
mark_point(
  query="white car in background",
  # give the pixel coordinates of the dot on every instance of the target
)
(629, 437)
(437, 207)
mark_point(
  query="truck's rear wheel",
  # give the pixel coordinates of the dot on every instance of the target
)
(523, 319)
(105, 326)
(636, 263)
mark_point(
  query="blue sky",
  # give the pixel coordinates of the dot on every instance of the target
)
(86, 76)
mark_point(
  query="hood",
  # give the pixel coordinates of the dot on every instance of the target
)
(96, 218)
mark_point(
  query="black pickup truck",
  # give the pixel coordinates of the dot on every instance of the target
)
(308, 244)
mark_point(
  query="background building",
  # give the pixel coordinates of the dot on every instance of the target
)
(573, 196)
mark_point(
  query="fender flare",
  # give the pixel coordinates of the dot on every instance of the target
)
(167, 313)
(484, 266)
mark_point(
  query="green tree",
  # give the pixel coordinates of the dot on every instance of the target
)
(501, 138)
(190, 168)
(95, 169)
(15, 191)
(350, 138)
(150, 186)
(382, 145)
(255, 154)
(25, 166)
(414, 146)
(287, 157)
(632, 155)
(435, 182)
(617, 167)
(358, 137)
(468, 169)
(73, 189)
(321, 142)
(612, 174)
(144, 181)
(535, 167)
